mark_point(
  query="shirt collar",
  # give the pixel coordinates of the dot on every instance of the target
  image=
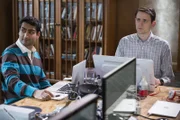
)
(23, 48)
(150, 36)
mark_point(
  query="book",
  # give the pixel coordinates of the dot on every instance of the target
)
(100, 34)
(100, 11)
(52, 48)
(90, 11)
(88, 31)
(93, 16)
(68, 56)
(75, 13)
(75, 33)
(97, 50)
(63, 13)
(69, 32)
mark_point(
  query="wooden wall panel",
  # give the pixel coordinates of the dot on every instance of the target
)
(5, 29)
(5, 24)
(125, 18)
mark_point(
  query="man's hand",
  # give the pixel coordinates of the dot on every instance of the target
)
(157, 81)
(42, 95)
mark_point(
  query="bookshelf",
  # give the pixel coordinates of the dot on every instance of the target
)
(72, 30)
(93, 24)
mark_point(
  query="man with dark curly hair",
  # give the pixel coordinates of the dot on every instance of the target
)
(21, 66)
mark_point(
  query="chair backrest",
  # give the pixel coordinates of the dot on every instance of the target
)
(1, 94)
(1, 77)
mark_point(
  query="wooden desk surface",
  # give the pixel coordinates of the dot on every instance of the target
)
(49, 106)
(150, 100)
(46, 106)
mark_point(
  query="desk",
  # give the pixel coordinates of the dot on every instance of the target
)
(49, 106)
(150, 100)
(46, 106)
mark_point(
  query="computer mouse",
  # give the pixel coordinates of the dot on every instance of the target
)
(162, 119)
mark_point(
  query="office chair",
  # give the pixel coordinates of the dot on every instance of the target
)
(1, 77)
(1, 94)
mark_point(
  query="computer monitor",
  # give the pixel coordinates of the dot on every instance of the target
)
(83, 109)
(144, 67)
(104, 63)
(116, 82)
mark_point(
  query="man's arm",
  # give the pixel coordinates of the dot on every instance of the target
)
(166, 65)
(11, 72)
(43, 81)
(119, 50)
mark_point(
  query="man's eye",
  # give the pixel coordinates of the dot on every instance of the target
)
(138, 20)
(31, 32)
(23, 30)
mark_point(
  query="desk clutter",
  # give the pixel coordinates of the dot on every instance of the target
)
(117, 88)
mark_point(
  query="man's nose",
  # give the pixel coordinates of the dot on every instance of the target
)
(141, 23)
(26, 34)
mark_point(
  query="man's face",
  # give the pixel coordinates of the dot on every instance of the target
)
(143, 23)
(28, 35)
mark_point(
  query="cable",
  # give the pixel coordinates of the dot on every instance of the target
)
(143, 116)
(155, 93)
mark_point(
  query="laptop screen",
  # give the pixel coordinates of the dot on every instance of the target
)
(78, 72)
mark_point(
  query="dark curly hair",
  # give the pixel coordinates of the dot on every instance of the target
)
(32, 21)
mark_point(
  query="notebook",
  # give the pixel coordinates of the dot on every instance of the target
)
(164, 108)
(126, 106)
(77, 78)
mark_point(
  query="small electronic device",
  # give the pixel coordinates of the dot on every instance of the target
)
(126, 106)
(9, 112)
(164, 108)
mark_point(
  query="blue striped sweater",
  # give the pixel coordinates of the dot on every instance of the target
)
(21, 77)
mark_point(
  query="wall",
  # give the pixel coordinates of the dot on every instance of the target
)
(5, 28)
(125, 18)
(167, 26)
(5, 24)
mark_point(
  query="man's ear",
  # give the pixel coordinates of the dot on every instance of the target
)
(38, 35)
(153, 23)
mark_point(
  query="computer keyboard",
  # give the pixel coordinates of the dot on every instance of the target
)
(65, 88)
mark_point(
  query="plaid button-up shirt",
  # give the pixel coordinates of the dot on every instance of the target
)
(154, 48)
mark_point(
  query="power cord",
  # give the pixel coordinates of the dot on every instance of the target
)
(155, 93)
(73, 95)
(143, 116)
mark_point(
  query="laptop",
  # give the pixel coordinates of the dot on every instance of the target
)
(77, 78)
(126, 106)
(164, 108)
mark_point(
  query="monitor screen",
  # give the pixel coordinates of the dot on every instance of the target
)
(103, 63)
(83, 109)
(144, 67)
(116, 82)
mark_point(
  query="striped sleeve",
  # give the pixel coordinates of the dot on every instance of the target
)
(11, 72)
(43, 81)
